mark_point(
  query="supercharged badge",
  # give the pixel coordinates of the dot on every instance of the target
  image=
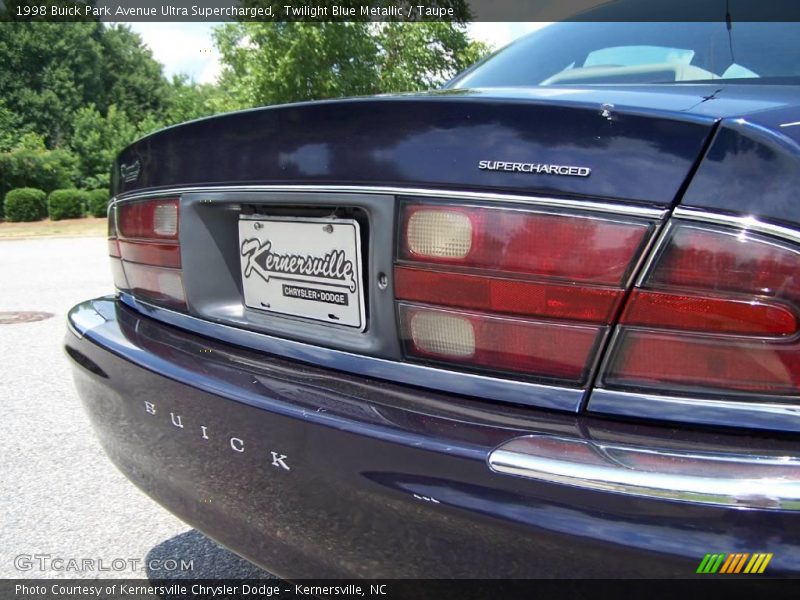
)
(536, 168)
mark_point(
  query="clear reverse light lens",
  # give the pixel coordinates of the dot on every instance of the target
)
(551, 350)
(165, 219)
(439, 233)
(443, 335)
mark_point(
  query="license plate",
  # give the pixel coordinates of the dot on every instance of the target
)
(308, 268)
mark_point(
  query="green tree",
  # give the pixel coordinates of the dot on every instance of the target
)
(11, 128)
(422, 56)
(271, 63)
(96, 141)
(49, 71)
(187, 100)
(73, 94)
(31, 164)
(98, 138)
(132, 79)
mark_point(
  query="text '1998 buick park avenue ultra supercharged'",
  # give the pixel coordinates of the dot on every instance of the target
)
(542, 322)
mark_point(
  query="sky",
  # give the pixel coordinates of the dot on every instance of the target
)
(188, 48)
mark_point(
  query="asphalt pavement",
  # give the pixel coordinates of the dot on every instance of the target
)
(65, 511)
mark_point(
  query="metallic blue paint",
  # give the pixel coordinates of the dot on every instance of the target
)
(385, 481)
(388, 479)
(642, 152)
(436, 140)
(753, 167)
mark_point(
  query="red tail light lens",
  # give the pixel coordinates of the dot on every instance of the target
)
(510, 296)
(522, 346)
(708, 314)
(150, 219)
(670, 362)
(151, 253)
(148, 233)
(541, 288)
(120, 282)
(156, 284)
(148, 246)
(728, 261)
(717, 312)
(568, 247)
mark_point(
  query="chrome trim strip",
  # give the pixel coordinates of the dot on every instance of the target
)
(747, 223)
(584, 205)
(702, 411)
(71, 328)
(721, 479)
(653, 253)
(468, 384)
(489, 387)
(83, 318)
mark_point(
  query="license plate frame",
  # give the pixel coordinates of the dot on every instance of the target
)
(305, 268)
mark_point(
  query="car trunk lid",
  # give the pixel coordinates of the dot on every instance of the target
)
(577, 147)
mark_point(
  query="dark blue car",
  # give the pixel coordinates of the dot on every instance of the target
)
(543, 322)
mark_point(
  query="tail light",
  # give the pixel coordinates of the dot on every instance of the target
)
(113, 250)
(716, 313)
(145, 250)
(509, 290)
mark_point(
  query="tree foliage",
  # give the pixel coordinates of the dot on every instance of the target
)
(53, 70)
(271, 63)
(188, 100)
(11, 128)
(31, 164)
(97, 203)
(25, 204)
(97, 139)
(422, 56)
(72, 95)
(132, 79)
(66, 204)
(49, 71)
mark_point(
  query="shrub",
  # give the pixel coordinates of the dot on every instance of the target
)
(66, 204)
(25, 204)
(97, 202)
(29, 163)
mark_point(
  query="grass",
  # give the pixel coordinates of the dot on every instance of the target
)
(89, 226)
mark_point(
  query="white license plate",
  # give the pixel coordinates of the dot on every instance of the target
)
(309, 268)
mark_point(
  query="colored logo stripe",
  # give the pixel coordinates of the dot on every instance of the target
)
(734, 563)
(710, 563)
(758, 563)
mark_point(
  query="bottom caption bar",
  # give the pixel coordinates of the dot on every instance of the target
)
(425, 589)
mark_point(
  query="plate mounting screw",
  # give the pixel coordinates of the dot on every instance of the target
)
(258, 225)
(327, 228)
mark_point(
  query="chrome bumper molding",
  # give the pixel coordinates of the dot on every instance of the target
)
(86, 316)
(468, 384)
(772, 416)
(748, 223)
(588, 205)
(715, 478)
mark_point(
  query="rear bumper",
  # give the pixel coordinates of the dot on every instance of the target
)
(315, 473)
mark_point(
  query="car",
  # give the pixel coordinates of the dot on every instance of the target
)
(542, 322)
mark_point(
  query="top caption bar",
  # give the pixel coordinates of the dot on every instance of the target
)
(729, 11)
